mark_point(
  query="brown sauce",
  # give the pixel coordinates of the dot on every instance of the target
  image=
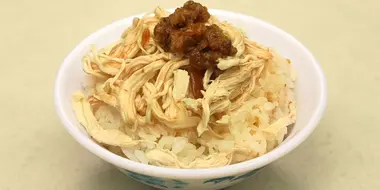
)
(185, 33)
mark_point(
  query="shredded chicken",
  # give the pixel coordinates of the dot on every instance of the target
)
(141, 106)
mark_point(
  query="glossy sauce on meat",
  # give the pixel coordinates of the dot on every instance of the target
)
(186, 34)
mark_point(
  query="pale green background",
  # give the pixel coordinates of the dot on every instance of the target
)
(37, 153)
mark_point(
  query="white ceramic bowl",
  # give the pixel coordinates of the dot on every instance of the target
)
(310, 91)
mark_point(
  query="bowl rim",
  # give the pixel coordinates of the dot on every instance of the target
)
(174, 173)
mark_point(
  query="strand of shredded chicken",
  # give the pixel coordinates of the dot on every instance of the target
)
(139, 106)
